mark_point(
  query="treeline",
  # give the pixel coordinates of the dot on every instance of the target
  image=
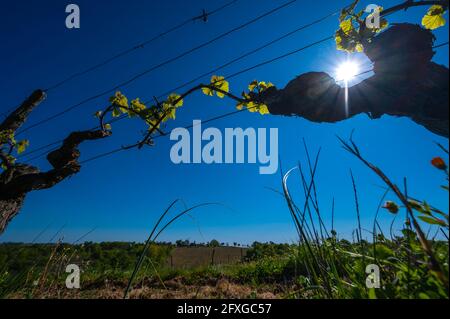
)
(16, 257)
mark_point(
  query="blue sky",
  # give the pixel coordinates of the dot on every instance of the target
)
(123, 195)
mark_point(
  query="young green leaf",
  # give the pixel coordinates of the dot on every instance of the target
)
(434, 18)
(22, 146)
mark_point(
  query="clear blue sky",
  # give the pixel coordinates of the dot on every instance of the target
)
(123, 195)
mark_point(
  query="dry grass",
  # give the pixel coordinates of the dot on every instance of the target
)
(175, 289)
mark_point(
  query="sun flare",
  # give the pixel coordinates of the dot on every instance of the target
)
(347, 71)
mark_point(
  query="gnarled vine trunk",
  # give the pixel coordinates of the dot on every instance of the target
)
(406, 83)
(19, 179)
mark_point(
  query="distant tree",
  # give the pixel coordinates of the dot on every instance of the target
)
(179, 243)
(214, 243)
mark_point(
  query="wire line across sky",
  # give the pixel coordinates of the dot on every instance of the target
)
(119, 149)
(241, 57)
(155, 67)
(126, 52)
(232, 75)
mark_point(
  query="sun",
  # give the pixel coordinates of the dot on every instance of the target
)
(347, 71)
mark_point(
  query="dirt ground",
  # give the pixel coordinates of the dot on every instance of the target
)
(171, 289)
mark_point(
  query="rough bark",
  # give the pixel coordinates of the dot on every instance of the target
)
(406, 83)
(9, 208)
(19, 116)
